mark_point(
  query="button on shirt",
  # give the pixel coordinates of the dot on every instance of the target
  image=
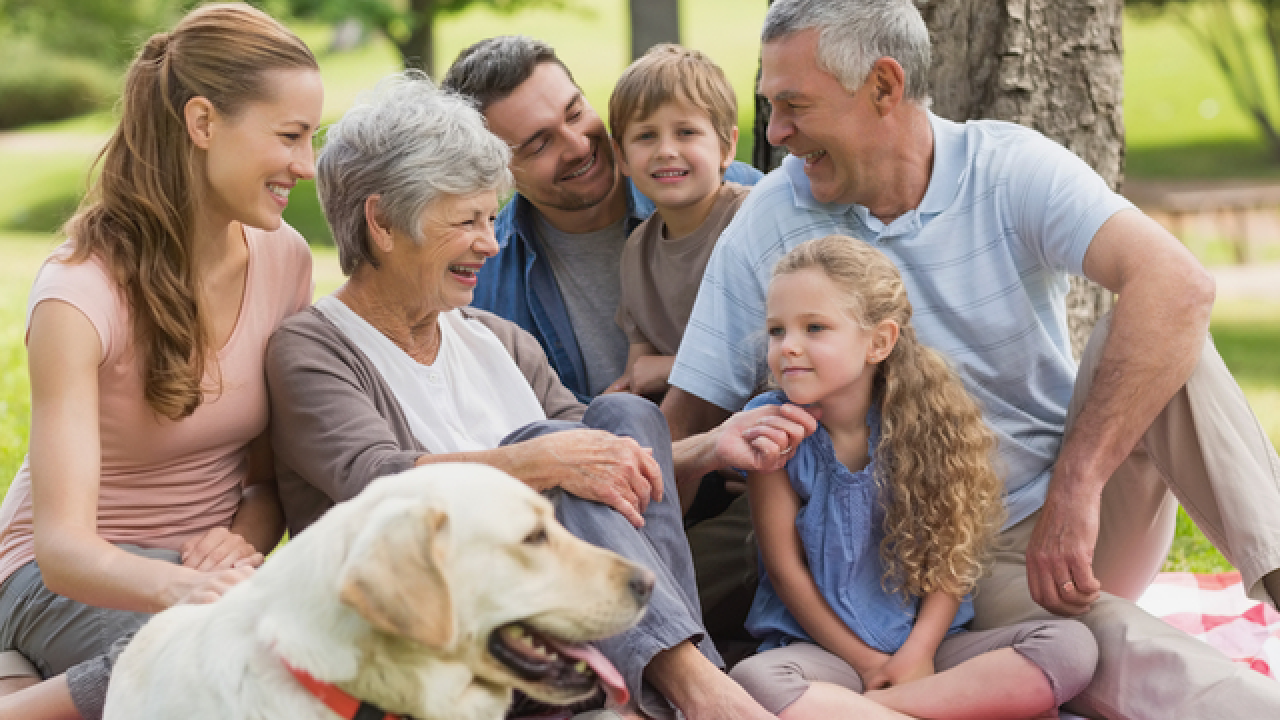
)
(1007, 216)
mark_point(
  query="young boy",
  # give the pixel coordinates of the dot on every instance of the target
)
(674, 118)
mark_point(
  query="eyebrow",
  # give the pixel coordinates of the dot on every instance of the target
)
(784, 96)
(543, 131)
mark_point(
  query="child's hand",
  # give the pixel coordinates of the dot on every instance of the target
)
(899, 670)
(622, 384)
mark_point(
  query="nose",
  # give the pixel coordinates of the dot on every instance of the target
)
(780, 127)
(641, 585)
(487, 243)
(304, 163)
(577, 144)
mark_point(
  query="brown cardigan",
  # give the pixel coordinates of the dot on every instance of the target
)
(336, 424)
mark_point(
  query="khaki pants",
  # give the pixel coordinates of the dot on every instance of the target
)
(1208, 450)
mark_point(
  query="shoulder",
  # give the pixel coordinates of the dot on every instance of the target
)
(283, 248)
(773, 397)
(742, 174)
(90, 288)
(513, 337)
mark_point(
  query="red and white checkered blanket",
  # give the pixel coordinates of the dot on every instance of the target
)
(1215, 609)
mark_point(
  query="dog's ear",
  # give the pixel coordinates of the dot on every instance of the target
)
(396, 577)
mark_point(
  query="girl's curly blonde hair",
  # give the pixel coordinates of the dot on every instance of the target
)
(943, 500)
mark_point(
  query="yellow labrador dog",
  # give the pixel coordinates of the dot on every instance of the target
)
(430, 595)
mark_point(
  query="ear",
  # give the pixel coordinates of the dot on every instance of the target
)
(199, 115)
(730, 152)
(396, 575)
(888, 84)
(379, 231)
(883, 339)
(621, 156)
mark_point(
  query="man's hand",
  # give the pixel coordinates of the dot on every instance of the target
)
(1060, 552)
(601, 467)
(219, 549)
(763, 439)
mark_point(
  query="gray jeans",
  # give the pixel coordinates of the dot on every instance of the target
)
(674, 613)
(60, 635)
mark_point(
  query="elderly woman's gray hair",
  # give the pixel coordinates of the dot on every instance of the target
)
(853, 34)
(409, 143)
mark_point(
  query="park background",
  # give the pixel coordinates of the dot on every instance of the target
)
(1184, 128)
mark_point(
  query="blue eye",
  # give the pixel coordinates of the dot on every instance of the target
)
(775, 332)
(815, 327)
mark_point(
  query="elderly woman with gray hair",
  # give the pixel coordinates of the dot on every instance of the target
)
(394, 370)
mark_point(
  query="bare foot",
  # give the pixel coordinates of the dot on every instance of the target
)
(700, 689)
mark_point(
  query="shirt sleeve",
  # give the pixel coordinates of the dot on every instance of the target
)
(721, 356)
(1058, 203)
(86, 287)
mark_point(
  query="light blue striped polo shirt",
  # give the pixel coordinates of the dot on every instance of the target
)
(1007, 216)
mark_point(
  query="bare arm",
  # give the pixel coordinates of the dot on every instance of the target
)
(65, 454)
(1158, 328)
(914, 659)
(774, 505)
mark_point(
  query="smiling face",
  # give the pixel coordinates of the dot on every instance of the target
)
(674, 156)
(439, 274)
(817, 352)
(253, 158)
(817, 119)
(562, 158)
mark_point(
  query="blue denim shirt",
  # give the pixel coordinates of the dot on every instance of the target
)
(518, 284)
(841, 526)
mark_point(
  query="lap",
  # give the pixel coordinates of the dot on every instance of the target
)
(55, 632)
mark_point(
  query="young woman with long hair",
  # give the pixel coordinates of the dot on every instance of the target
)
(877, 530)
(149, 479)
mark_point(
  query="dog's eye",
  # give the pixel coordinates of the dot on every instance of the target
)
(537, 537)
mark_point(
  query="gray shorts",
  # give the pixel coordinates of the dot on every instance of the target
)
(59, 635)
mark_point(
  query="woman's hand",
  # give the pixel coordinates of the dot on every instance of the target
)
(898, 670)
(219, 549)
(598, 466)
(193, 587)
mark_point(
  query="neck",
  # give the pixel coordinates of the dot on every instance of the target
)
(844, 414)
(416, 331)
(901, 173)
(213, 241)
(683, 222)
(597, 217)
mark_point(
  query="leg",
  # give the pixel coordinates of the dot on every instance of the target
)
(1021, 671)
(1207, 447)
(48, 700)
(667, 655)
(1146, 667)
(803, 681)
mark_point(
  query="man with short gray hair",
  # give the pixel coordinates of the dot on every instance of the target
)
(986, 221)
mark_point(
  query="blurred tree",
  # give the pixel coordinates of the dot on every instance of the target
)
(1053, 65)
(408, 24)
(1228, 30)
(653, 22)
(105, 30)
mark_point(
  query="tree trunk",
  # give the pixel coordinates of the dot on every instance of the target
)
(653, 22)
(418, 49)
(1052, 65)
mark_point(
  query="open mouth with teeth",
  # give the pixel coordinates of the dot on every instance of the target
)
(463, 270)
(558, 671)
(589, 163)
(813, 157)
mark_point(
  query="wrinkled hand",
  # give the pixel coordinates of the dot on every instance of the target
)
(1060, 554)
(898, 670)
(218, 549)
(763, 439)
(602, 467)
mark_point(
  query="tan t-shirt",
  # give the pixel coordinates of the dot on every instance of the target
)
(660, 277)
(162, 481)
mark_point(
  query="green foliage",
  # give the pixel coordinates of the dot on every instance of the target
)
(106, 30)
(39, 86)
(306, 216)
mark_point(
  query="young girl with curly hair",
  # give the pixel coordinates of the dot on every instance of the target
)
(876, 531)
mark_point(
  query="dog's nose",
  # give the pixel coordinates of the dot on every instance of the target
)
(641, 585)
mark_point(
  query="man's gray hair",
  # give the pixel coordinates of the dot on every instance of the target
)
(853, 34)
(409, 143)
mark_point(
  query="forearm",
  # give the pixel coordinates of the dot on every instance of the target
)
(801, 596)
(933, 621)
(520, 460)
(1157, 332)
(693, 458)
(82, 566)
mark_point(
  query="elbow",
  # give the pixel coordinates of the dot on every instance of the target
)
(49, 560)
(1202, 290)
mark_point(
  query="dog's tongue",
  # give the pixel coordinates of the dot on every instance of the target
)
(614, 687)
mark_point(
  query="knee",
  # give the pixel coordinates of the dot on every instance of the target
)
(772, 682)
(627, 414)
(1064, 650)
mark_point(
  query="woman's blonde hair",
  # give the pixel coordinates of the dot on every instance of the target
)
(138, 214)
(943, 500)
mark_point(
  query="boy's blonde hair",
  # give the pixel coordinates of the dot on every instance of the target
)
(934, 464)
(667, 73)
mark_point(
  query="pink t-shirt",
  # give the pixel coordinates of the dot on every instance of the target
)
(162, 481)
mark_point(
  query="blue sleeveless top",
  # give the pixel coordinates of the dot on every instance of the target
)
(841, 525)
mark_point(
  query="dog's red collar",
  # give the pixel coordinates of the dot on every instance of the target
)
(337, 700)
